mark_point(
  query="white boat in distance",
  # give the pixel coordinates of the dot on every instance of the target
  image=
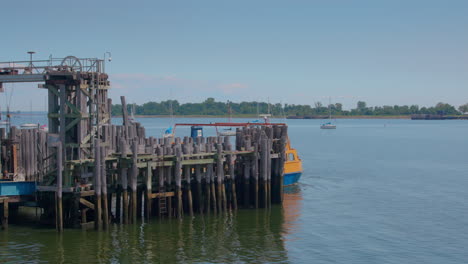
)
(328, 125)
(29, 125)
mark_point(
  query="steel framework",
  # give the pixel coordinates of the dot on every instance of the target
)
(78, 101)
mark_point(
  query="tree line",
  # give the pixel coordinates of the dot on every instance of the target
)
(212, 107)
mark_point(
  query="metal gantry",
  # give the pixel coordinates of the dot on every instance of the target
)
(78, 101)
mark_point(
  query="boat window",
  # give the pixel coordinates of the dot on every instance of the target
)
(291, 156)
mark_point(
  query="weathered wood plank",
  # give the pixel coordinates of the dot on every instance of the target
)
(160, 195)
(87, 203)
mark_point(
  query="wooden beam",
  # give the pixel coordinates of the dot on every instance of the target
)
(87, 203)
(164, 194)
(86, 193)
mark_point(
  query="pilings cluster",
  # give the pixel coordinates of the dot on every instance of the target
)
(23, 154)
(133, 176)
(173, 177)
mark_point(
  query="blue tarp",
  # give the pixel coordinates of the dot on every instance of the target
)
(168, 131)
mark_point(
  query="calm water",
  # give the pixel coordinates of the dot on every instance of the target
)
(373, 191)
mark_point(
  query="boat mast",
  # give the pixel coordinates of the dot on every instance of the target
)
(229, 111)
(269, 107)
(258, 110)
(171, 111)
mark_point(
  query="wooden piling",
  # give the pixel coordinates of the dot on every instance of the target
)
(124, 111)
(97, 185)
(264, 170)
(231, 160)
(168, 189)
(149, 192)
(124, 181)
(198, 182)
(208, 175)
(168, 176)
(268, 176)
(161, 200)
(133, 183)
(105, 207)
(246, 187)
(4, 200)
(255, 174)
(219, 178)
(178, 179)
(118, 203)
(187, 150)
(247, 170)
(281, 162)
(211, 174)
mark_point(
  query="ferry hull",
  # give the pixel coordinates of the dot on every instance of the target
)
(291, 178)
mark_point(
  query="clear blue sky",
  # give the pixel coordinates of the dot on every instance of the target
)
(381, 52)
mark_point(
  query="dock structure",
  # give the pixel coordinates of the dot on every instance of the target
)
(90, 173)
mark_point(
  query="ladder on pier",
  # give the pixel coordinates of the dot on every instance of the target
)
(162, 202)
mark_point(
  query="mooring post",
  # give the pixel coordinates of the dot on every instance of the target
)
(269, 148)
(231, 160)
(264, 169)
(97, 184)
(178, 178)
(169, 172)
(198, 181)
(161, 199)
(187, 151)
(247, 169)
(124, 180)
(274, 178)
(211, 194)
(208, 172)
(133, 184)
(5, 213)
(283, 143)
(255, 173)
(233, 181)
(206, 178)
(118, 201)
(103, 175)
(149, 192)
(124, 111)
(219, 175)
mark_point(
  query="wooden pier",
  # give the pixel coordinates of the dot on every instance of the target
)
(91, 173)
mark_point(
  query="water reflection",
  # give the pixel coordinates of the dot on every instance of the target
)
(243, 236)
(292, 208)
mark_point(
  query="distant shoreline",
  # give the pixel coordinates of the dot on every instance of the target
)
(353, 117)
(274, 117)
